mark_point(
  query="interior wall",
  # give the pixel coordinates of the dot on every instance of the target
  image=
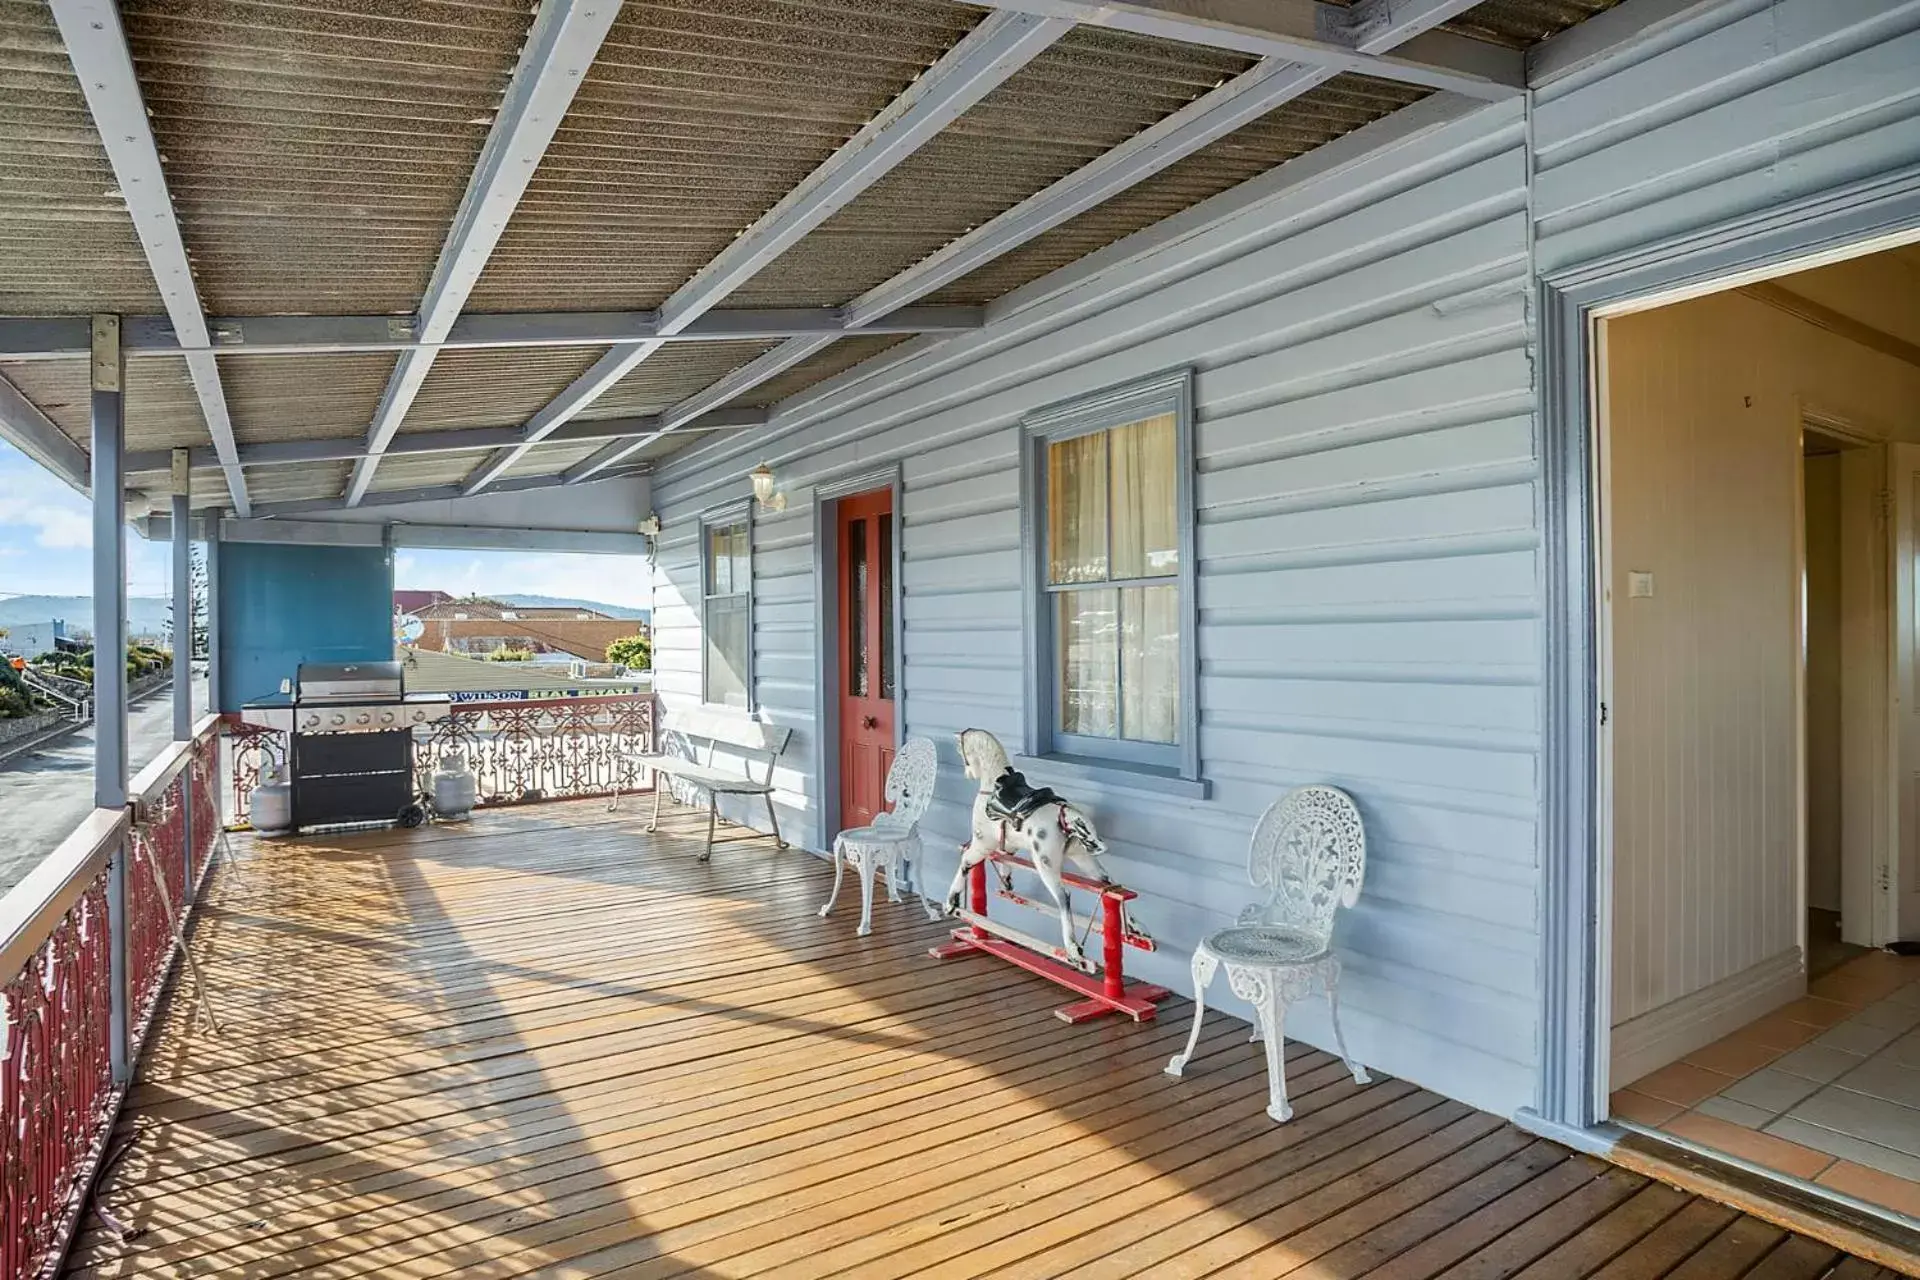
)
(280, 605)
(1705, 405)
(1824, 755)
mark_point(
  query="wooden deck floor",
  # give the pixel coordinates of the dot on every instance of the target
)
(545, 1043)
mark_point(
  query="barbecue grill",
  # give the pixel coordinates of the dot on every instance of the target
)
(350, 750)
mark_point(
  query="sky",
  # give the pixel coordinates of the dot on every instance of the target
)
(46, 548)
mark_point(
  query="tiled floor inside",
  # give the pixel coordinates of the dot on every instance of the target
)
(1826, 1089)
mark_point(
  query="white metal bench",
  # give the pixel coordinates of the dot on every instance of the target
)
(680, 757)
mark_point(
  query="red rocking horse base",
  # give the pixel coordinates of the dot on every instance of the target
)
(1108, 991)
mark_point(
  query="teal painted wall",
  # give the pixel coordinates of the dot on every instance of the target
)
(282, 605)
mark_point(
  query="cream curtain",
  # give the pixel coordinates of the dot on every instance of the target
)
(1077, 509)
(1146, 537)
(1112, 516)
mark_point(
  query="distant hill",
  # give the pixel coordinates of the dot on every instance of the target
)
(568, 602)
(146, 615)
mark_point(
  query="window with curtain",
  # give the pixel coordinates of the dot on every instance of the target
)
(726, 614)
(1114, 584)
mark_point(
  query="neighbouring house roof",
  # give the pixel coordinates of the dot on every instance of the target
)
(410, 601)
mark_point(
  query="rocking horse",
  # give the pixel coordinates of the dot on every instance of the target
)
(1010, 816)
(1015, 824)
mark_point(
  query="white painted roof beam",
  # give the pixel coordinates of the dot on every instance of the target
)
(561, 46)
(1315, 34)
(97, 46)
(982, 60)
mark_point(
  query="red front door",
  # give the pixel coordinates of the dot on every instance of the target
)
(866, 655)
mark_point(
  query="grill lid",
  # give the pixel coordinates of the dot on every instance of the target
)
(339, 681)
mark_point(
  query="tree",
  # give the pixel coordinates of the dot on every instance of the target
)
(197, 593)
(510, 655)
(635, 653)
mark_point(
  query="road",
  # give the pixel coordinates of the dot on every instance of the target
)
(44, 794)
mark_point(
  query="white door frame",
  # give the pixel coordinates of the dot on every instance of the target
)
(1575, 863)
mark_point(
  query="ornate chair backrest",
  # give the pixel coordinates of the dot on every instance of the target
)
(909, 786)
(1309, 853)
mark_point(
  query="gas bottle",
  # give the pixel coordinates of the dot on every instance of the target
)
(454, 787)
(270, 809)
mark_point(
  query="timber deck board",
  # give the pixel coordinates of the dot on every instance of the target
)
(547, 1043)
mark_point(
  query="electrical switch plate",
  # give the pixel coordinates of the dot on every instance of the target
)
(1639, 585)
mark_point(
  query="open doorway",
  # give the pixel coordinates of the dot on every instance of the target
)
(1756, 569)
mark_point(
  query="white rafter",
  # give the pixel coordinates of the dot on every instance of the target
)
(980, 62)
(566, 36)
(1311, 33)
(97, 46)
(1248, 96)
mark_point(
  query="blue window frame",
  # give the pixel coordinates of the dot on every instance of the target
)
(1109, 574)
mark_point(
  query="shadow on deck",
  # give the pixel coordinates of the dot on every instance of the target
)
(546, 1042)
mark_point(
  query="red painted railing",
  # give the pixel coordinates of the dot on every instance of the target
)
(56, 1083)
(520, 751)
(58, 1096)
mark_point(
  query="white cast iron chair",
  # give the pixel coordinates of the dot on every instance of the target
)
(1309, 853)
(892, 840)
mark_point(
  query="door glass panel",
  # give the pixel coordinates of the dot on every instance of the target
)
(858, 585)
(885, 604)
(1089, 673)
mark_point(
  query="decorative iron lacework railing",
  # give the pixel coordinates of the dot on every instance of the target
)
(58, 1096)
(555, 749)
(520, 751)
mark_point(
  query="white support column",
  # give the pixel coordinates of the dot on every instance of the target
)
(213, 612)
(182, 537)
(109, 659)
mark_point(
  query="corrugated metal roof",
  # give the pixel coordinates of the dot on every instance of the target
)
(296, 484)
(1089, 92)
(671, 374)
(552, 459)
(316, 152)
(303, 397)
(696, 118)
(1519, 23)
(838, 358)
(419, 470)
(161, 410)
(67, 246)
(494, 387)
(1314, 119)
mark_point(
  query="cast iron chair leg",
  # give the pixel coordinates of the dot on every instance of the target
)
(1360, 1075)
(1273, 1021)
(1204, 965)
(839, 865)
(713, 805)
(867, 866)
(772, 818)
(658, 787)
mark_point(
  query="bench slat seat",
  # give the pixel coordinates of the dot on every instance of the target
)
(739, 735)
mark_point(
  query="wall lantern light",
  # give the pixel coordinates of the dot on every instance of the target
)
(762, 477)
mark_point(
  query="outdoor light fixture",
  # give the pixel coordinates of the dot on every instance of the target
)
(762, 477)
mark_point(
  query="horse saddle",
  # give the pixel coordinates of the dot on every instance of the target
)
(1012, 799)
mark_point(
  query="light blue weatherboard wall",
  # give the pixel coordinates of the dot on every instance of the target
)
(281, 605)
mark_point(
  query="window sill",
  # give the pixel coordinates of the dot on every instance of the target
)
(1117, 773)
